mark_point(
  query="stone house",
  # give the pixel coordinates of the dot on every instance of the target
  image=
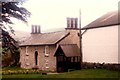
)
(50, 51)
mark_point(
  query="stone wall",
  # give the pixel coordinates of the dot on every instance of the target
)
(47, 62)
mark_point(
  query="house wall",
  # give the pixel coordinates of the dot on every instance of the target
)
(72, 38)
(100, 45)
(44, 62)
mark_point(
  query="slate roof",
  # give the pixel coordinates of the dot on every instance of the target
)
(45, 38)
(69, 50)
(109, 19)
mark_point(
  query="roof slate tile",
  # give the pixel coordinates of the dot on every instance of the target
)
(45, 38)
(109, 19)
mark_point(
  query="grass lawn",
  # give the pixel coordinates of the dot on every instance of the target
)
(84, 73)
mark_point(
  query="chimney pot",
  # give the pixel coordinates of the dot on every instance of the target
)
(32, 28)
(35, 28)
(68, 23)
(72, 24)
(76, 22)
(38, 29)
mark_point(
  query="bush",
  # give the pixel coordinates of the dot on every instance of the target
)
(88, 65)
(25, 71)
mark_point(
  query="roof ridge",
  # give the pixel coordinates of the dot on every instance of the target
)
(53, 32)
(67, 44)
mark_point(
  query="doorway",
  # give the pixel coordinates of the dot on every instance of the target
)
(36, 57)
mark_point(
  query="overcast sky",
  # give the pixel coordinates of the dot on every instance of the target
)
(52, 14)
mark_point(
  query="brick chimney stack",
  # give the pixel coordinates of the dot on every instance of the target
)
(72, 23)
(35, 29)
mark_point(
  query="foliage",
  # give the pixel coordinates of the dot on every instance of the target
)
(18, 70)
(9, 10)
(6, 59)
(9, 50)
(84, 73)
(88, 65)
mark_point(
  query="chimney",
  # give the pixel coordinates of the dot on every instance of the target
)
(72, 23)
(38, 30)
(76, 22)
(72, 20)
(35, 29)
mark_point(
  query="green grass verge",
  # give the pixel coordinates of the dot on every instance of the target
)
(84, 73)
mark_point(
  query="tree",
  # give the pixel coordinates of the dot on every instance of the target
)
(9, 10)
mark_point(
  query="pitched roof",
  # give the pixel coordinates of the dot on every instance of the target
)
(109, 19)
(70, 50)
(45, 38)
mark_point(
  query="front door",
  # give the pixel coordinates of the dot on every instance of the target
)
(61, 64)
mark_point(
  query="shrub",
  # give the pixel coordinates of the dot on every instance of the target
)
(88, 65)
(25, 71)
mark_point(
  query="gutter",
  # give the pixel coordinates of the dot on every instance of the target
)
(84, 32)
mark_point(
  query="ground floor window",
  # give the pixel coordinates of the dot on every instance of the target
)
(36, 57)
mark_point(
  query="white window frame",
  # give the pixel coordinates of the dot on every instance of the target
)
(26, 51)
(46, 51)
(46, 64)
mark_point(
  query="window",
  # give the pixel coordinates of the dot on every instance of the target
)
(46, 64)
(64, 58)
(72, 59)
(26, 51)
(60, 58)
(36, 57)
(46, 51)
(76, 59)
(69, 59)
(27, 60)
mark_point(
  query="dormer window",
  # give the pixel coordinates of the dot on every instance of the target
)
(46, 51)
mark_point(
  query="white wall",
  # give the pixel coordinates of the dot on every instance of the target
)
(100, 45)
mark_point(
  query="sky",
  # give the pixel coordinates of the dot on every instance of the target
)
(51, 14)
